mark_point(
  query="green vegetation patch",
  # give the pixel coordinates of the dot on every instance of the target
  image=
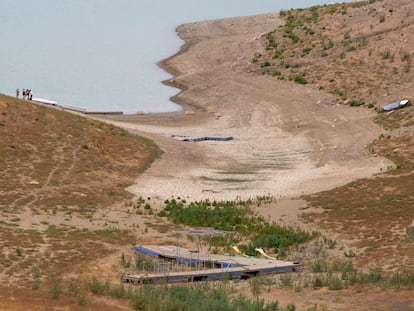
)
(204, 295)
(236, 216)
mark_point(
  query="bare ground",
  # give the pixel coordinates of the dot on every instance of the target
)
(288, 139)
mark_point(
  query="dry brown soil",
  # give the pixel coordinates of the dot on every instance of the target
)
(63, 205)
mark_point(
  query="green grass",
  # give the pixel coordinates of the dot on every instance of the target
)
(204, 295)
(300, 79)
(236, 216)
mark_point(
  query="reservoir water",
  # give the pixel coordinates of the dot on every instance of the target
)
(103, 54)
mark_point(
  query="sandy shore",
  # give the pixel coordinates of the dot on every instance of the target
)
(289, 139)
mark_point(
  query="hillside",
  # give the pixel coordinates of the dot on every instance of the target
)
(360, 51)
(54, 158)
(60, 175)
(304, 156)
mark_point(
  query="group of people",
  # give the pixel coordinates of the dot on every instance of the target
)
(27, 94)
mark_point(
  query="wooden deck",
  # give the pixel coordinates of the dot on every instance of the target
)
(222, 266)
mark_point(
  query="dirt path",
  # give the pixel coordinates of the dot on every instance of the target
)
(289, 139)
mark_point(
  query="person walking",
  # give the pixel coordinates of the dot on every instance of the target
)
(17, 93)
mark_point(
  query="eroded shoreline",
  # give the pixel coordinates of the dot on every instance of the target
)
(290, 139)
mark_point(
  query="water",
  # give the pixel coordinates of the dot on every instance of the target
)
(103, 54)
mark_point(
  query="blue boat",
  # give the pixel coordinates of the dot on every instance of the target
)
(396, 105)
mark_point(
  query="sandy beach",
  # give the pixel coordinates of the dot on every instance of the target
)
(289, 139)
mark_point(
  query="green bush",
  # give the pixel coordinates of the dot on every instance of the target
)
(73, 288)
(96, 286)
(356, 103)
(319, 266)
(265, 64)
(335, 282)
(56, 287)
(204, 296)
(36, 278)
(142, 262)
(386, 54)
(236, 216)
(271, 43)
(300, 79)
(277, 54)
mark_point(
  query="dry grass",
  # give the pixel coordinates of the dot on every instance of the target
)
(60, 173)
(375, 214)
(54, 158)
(397, 119)
(345, 49)
(58, 164)
(19, 299)
(362, 52)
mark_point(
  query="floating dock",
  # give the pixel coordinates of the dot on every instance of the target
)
(44, 101)
(200, 138)
(222, 266)
(104, 112)
(73, 108)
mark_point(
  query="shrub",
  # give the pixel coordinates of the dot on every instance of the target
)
(236, 216)
(356, 103)
(73, 288)
(125, 262)
(309, 31)
(96, 286)
(56, 287)
(36, 278)
(407, 67)
(271, 43)
(277, 54)
(386, 54)
(265, 64)
(118, 291)
(82, 301)
(19, 251)
(286, 280)
(306, 50)
(204, 296)
(335, 283)
(142, 262)
(319, 266)
(300, 79)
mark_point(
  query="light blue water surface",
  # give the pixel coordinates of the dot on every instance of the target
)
(103, 54)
